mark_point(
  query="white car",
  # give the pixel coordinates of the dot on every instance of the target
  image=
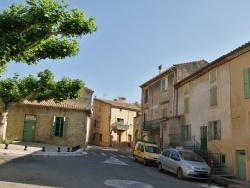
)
(183, 163)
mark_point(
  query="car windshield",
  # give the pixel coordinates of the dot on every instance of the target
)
(190, 156)
(152, 149)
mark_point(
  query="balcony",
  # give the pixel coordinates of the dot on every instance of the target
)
(151, 125)
(120, 126)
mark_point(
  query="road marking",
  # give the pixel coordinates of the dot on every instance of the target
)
(113, 160)
(104, 154)
(113, 155)
(126, 184)
(131, 157)
(123, 156)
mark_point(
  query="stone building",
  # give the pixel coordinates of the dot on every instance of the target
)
(66, 123)
(112, 122)
(158, 108)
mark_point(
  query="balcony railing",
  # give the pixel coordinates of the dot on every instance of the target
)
(181, 140)
(120, 126)
(151, 125)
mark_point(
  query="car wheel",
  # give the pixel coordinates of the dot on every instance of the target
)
(145, 162)
(160, 167)
(179, 173)
(135, 158)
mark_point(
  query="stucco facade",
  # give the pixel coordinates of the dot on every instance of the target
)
(39, 122)
(159, 103)
(225, 118)
(112, 123)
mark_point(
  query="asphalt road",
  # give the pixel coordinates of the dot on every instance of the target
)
(98, 168)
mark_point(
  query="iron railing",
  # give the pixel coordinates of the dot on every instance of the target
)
(120, 126)
(151, 125)
(188, 142)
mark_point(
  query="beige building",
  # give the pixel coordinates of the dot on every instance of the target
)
(112, 122)
(214, 105)
(158, 107)
(66, 123)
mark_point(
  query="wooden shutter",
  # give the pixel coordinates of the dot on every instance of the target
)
(166, 83)
(162, 85)
(213, 76)
(246, 83)
(213, 96)
(209, 131)
(186, 105)
(219, 130)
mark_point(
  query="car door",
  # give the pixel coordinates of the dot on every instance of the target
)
(174, 160)
(165, 159)
(140, 152)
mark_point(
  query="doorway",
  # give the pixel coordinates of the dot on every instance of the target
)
(29, 131)
(203, 137)
(241, 163)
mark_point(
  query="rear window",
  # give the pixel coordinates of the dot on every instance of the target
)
(190, 156)
(152, 149)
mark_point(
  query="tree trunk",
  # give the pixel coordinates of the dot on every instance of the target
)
(3, 124)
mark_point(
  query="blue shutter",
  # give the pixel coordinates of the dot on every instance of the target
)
(246, 83)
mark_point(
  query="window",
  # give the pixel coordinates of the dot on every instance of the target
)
(59, 126)
(100, 137)
(186, 89)
(94, 137)
(213, 96)
(164, 107)
(186, 132)
(186, 98)
(146, 96)
(164, 84)
(186, 105)
(120, 120)
(213, 76)
(246, 75)
(214, 130)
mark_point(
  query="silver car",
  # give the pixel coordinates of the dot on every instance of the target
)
(183, 163)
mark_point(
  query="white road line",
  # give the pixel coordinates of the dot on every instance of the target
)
(104, 154)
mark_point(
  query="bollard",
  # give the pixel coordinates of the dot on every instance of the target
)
(43, 149)
(210, 175)
(68, 150)
(25, 148)
(59, 149)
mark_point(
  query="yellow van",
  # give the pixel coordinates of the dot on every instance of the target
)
(146, 152)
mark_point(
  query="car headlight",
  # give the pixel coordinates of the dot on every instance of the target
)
(188, 166)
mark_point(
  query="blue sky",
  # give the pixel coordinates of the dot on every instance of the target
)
(136, 36)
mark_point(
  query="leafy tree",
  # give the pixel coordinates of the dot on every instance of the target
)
(37, 30)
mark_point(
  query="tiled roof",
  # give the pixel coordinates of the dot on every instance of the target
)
(51, 103)
(120, 104)
(219, 61)
(189, 66)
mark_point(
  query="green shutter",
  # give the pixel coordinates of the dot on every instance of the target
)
(186, 105)
(54, 126)
(219, 130)
(213, 96)
(64, 126)
(209, 130)
(246, 83)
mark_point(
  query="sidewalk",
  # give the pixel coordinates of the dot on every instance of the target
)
(38, 149)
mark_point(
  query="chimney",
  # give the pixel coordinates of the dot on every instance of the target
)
(159, 68)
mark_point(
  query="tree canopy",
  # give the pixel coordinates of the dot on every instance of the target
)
(41, 29)
(14, 90)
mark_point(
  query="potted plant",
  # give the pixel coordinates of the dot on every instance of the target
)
(6, 141)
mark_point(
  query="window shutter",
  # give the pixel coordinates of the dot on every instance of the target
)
(64, 126)
(213, 76)
(213, 96)
(209, 132)
(166, 83)
(186, 105)
(246, 83)
(54, 126)
(219, 130)
(189, 132)
(162, 85)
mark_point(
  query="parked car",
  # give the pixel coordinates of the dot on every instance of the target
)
(146, 152)
(183, 163)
